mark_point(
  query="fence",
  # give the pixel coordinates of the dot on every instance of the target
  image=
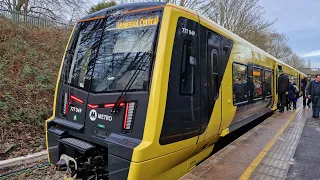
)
(32, 20)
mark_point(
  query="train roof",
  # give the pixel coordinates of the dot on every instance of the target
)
(239, 39)
(127, 7)
(236, 37)
(132, 6)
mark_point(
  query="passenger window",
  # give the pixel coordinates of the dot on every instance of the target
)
(213, 76)
(187, 69)
(214, 42)
(268, 82)
(239, 75)
(257, 80)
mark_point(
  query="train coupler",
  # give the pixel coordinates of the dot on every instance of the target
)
(82, 160)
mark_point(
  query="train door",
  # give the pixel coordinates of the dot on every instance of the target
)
(182, 116)
(212, 77)
(277, 68)
(299, 82)
(215, 51)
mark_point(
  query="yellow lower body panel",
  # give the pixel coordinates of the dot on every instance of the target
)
(224, 132)
(169, 167)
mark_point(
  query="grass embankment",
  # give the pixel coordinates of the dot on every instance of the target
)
(29, 61)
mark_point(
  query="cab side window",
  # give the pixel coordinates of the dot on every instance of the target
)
(187, 69)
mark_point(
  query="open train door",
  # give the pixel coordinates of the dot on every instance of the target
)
(299, 83)
(277, 68)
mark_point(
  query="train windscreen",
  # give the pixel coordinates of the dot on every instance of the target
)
(110, 51)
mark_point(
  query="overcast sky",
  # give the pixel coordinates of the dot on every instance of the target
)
(299, 20)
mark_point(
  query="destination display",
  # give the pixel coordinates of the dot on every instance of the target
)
(138, 22)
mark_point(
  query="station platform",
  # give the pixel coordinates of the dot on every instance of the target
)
(284, 146)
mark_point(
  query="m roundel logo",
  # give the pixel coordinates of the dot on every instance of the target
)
(93, 115)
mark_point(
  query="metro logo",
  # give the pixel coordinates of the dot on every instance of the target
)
(93, 115)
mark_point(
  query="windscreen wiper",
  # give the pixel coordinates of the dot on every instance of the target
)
(116, 107)
(120, 99)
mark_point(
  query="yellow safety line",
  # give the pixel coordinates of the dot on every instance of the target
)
(247, 173)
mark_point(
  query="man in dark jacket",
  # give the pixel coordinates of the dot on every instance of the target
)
(304, 84)
(283, 86)
(313, 92)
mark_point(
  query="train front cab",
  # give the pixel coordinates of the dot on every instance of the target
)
(163, 128)
(184, 111)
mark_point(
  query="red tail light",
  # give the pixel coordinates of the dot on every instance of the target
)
(93, 106)
(111, 105)
(76, 99)
(129, 116)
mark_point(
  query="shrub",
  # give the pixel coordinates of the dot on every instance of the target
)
(29, 62)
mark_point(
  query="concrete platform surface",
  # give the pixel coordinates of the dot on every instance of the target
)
(306, 160)
(267, 151)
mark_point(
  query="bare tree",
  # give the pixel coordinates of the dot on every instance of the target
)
(242, 17)
(245, 18)
(295, 61)
(58, 10)
(277, 45)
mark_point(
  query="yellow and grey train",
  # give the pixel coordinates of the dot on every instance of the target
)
(145, 90)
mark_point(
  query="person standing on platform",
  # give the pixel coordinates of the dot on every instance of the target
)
(283, 86)
(295, 96)
(290, 95)
(313, 92)
(305, 83)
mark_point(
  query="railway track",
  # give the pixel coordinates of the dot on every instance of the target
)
(23, 170)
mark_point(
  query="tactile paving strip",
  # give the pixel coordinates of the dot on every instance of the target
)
(276, 163)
